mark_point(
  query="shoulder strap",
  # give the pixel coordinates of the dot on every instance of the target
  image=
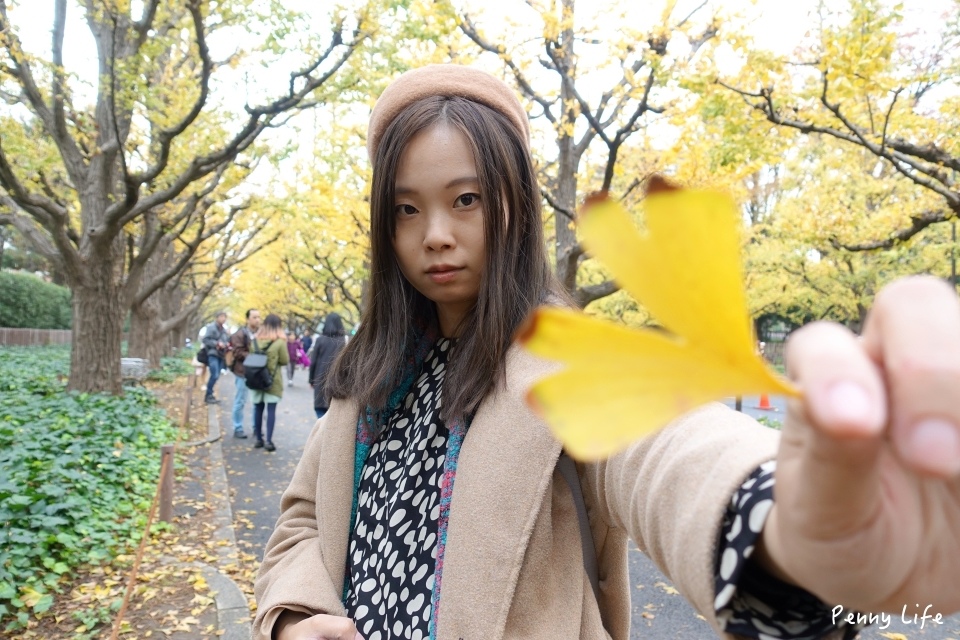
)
(256, 346)
(569, 472)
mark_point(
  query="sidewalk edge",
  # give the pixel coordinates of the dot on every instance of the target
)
(234, 617)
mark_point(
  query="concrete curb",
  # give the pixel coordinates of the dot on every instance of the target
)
(234, 618)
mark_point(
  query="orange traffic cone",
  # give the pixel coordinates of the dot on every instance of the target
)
(765, 403)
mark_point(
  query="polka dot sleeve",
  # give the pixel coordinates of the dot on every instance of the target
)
(749, 601)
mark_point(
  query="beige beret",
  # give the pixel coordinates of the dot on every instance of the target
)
(451, 80)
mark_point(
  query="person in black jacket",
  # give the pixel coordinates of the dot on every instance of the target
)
(325, 351)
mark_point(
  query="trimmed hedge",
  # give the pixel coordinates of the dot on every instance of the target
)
(27, 302)
(77, 476)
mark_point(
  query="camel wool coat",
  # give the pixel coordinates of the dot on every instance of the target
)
(513, 567)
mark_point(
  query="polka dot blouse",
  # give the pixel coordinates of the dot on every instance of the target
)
(750, 602)
(393, 545)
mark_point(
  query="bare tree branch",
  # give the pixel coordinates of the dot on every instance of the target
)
(46, 210)
(691, 14)
(59, 28)
(594, 119)
(343, 285)
(202, 292)
(72, 158)
(917, 224)
(259, 119)
(33, 233)
(145, 23)
(906, 158)
(586, 295)
(191, 246)
(132, 182)
(556, 206)
(470, 30)
(886, 120)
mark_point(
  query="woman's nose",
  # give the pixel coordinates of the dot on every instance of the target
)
(439, 233)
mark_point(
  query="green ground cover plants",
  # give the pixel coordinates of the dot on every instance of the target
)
(77, 475)
(173, 367)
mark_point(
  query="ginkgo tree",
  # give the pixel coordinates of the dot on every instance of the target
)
(595, 86)
(161, 69)
(869, 81)
(830, 197)
(186, 269)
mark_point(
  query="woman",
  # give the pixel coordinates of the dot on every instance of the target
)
(399, 523)
(325, 351)
(270, 340)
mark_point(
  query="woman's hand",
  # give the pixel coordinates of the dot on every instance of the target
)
(867, 511)
(298, 626)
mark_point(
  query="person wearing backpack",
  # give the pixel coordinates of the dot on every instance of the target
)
(241, 342)
(270, 341)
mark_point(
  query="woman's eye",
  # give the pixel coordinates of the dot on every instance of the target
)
(406, 209)
(467, 200)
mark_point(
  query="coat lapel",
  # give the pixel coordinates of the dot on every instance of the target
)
(335, 486)
(505, 467)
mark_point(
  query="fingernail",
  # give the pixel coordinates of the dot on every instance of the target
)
(935, 445)
(849, 403)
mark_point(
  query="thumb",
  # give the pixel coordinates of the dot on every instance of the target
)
(833, 436)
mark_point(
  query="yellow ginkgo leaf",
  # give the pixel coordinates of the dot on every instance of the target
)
(620, 384)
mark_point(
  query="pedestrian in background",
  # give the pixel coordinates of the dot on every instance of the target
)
(329, 343)
(216, 340)
(270, 341)
(306, 341)
(240, 343)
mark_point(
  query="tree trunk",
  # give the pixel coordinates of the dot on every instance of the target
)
(180, 335)
(566, 241)
(97, 332)
(566, 194)
(146, 339)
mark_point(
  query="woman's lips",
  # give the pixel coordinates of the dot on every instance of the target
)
(441, 275)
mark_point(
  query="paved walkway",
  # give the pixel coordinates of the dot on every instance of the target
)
(258, 478)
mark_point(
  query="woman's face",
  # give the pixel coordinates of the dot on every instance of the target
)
(439, 239)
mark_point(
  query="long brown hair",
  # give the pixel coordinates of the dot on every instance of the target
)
(517, 278)
(271, 329)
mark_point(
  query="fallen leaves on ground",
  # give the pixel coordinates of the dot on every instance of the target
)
(667, 588)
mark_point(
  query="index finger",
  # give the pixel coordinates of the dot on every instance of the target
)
(913, 333)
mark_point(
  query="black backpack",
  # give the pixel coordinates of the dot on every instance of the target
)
(202, 356)
(255, 369)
